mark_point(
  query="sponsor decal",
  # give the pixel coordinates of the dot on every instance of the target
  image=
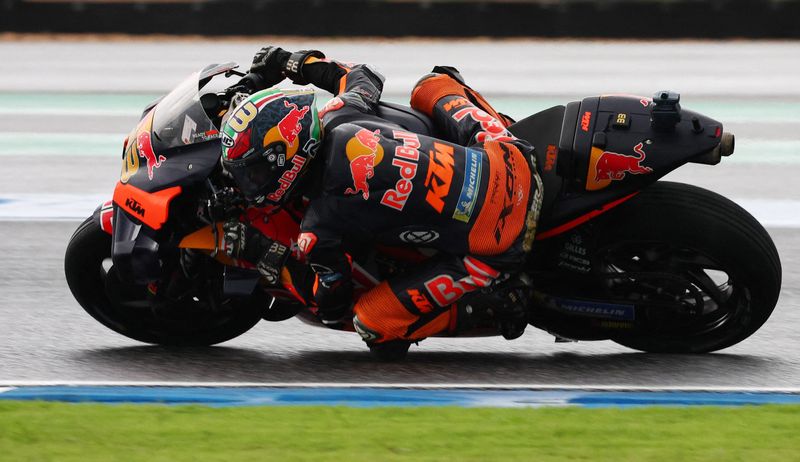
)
(364, 152)
(227, 141)
(445, 290)
(405, 159)
(607, 166)
(145, 148)
(574, 255)
(419, 300)
(419, 236)
(595, 309)
(306, 242)
(288, 177)
(551, 156)
(508, 198)
(290, 127)
(207, 135)
(439, 176)
(189, 129)
(135, 206)
(644, 102)
(492, 129)
(458, 102)
(469, 189)
(333, 105)
(139, 146)
(586, 120)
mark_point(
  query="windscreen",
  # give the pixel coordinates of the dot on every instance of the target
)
(179, 118)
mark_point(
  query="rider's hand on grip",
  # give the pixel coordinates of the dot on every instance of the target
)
(269, 63)
(244, 242)
(234, 238)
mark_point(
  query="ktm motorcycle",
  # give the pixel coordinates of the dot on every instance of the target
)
(653, 265)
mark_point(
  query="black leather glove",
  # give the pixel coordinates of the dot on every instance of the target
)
(270, 63)
(247, 243)
(334, 296)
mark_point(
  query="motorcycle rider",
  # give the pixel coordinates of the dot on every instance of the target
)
(473, 195)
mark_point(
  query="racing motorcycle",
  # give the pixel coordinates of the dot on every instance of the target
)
(653, 265)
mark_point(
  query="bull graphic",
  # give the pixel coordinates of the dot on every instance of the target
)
(289, 127)
(362, 168)
(613, 166)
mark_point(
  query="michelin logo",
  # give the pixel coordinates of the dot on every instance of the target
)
(469, 189)
(596, 310)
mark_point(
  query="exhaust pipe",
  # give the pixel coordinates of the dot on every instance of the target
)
(725, 148)
(726, 144)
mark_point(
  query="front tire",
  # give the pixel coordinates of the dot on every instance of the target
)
(729, 259)
(198, 319)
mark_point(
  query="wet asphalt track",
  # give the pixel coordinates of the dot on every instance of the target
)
(44, 334)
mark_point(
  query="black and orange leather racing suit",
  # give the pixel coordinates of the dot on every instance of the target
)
(473, 195)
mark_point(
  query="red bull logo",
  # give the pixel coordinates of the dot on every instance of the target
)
(406, 158)
(364, 153)
(607, 166)
(145, 149)
(289, 127)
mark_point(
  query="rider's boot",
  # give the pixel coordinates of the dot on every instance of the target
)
(506, 305)
(511, 311)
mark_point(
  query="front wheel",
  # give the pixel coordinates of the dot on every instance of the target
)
(705, 273)
(199, 317)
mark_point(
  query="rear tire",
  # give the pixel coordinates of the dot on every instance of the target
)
(190, 322)
(694, 228)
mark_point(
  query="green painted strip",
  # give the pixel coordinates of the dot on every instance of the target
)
(73, 103)
(102, 144)
(517, 107)
(61, 144)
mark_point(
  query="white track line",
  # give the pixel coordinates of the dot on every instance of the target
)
(426, 386)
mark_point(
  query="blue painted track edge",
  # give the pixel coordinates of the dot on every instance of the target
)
(361, 396)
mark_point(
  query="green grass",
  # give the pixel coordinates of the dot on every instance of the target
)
(31, 431)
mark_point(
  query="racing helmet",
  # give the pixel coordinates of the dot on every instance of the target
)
(268, 140)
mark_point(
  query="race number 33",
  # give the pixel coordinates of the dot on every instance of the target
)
(242, 117)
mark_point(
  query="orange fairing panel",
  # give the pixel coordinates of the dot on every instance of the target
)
(151, 208)
(203, 238)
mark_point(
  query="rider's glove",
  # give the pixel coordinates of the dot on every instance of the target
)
(294, 65)
(249, 244)
(334, 296)
(270, 63)
(234, 238)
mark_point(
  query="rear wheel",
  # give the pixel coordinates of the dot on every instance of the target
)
(200, 316)
(702, 271)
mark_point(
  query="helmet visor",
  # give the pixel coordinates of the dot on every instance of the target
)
(253, 176)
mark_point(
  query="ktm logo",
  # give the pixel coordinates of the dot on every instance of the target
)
(585, 120)
(134, 206)
(440, 175)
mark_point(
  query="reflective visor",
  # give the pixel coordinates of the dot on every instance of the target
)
(253, 175)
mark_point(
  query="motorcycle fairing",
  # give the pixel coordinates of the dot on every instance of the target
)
(152, 209)
(570, 142)
(176, 140)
